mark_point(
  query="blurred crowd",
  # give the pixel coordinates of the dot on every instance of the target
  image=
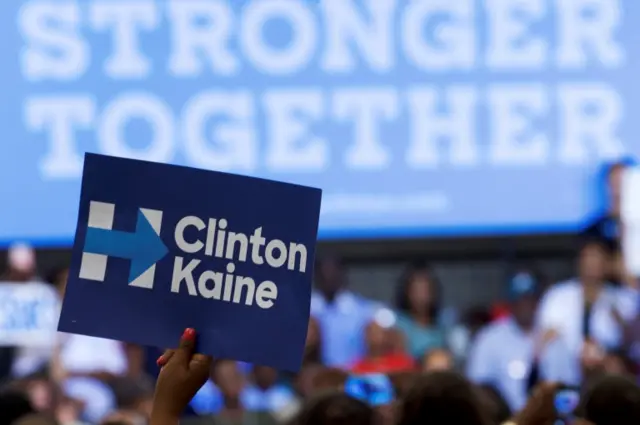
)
(572, 331)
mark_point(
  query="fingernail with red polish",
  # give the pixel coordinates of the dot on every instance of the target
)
(189, 334)
(160, 362)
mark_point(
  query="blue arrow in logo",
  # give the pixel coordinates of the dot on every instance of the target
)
(143, 247)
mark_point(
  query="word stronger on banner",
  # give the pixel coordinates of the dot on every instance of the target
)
(160, 248)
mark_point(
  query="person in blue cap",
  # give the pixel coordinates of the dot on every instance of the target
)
(505, 353)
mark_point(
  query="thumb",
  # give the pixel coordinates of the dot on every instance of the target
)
(186, 348)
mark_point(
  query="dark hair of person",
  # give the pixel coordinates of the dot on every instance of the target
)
(594, 241)
(129, 392)
(612, 400)
(36, 419)
(13, 406)
(335, 408)
(495, 404)
(442, 398)
(403, 303)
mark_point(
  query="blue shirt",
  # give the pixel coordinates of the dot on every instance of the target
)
(208, 400)
(502, 353)
(342, 324)
(418, 338)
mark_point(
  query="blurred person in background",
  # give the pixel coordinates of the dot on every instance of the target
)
(507, 352)
(607, 227)
(382, 354)
(494, 404)
(341, 314)
(313, 344)
(418, 310)
(335, 408)
(612, 400)
(84, 366)
(231, 410)
(304, 385)
(442, 398)
(437, 359)
(133, 396)
(21, 361)
(21, 264)
(265, 393)
(464, 333)
(588, 312)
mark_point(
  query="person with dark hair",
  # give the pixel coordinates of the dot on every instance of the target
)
(588, 312)
(13, 406)
(606, 226)
(494, 404)
(335, 408)
(341, 314)
(508, 352)
(442, 398)
(418, 305)
(613, 400)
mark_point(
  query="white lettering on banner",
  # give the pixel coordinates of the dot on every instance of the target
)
(287, 130)
(457, 126)
(28, 314)
(515, 108)
(54, 49)
(457, 40)
(218, 241)
(124, 20)
(296, 118)
(588, 123)
(511, 41)
(234, 135)
(366, 107)
(137, 106)
(374, 40)
(60, 118)
(188, 38)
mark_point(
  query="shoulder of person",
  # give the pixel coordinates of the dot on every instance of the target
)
(494, 330)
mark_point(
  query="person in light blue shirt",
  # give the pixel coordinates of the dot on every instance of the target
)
(418, 311)
(341, 315)
(506, 353)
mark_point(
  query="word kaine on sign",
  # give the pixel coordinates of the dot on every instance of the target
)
(222, 243)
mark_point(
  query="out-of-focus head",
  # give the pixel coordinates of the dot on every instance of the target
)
(612, 400)
(523, 294)
(306, 379)
(336, 408)
(14, 405)
(379, 336)
(494, 404)
(21, 263)
(594, 261)
(329, 275)
(228, 377)
(134, 395)
(419, 291)
(442, 398)
(615, 172)
(437, 359)
(35, 419)
(265, 377)
(330, 379)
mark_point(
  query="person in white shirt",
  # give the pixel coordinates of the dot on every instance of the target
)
(588, 308)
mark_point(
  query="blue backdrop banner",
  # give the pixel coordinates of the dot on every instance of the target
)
(415, 117)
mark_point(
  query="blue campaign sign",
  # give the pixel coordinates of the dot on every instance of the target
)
(415, 117)
(160, 248)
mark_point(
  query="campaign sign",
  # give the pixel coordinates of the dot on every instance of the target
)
(28, 314)
(160, 248)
